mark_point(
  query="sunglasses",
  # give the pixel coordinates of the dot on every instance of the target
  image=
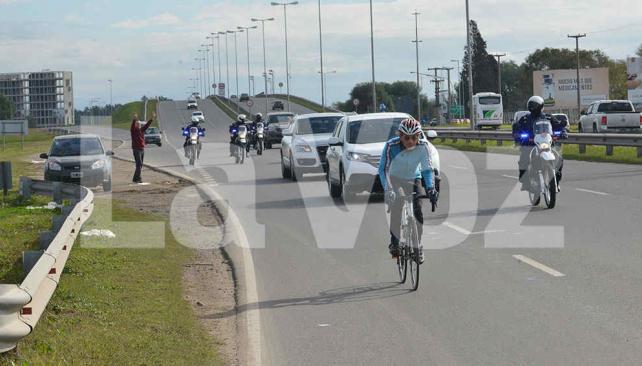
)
(410, 137)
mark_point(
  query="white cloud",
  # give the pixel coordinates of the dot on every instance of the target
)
(165, 19)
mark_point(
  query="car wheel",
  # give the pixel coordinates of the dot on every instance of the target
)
(159, 144)
(335, 190)
(345, 192)
(293, 174)
(268, 145)
(107, 186)
(285, 172)
(579, 128)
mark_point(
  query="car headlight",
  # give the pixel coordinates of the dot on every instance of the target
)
(302, 148)
(98, 164)
(54, 165)
(357, 157)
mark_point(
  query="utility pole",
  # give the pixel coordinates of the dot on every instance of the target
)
(436, 80)
(287, 63)
(449, 100)
(470, 68)
(416, 42)
(459, 91)
(499, 70)
(374, 88)
(218, 53)
(264, 59)
(577, 53)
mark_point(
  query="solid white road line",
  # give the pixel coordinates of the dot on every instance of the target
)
(594, 192)
(510, 176)
(458, 167)
(538, 265)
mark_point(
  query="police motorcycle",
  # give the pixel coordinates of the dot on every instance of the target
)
(544, 160)
(192, 146)
(259, 138)
(241, 143)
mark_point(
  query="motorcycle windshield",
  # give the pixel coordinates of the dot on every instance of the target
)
(542, 127)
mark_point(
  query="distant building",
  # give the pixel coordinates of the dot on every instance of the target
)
(45, 98)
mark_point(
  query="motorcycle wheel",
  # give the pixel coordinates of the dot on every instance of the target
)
(242, 155)
(550, 197)
(534, 187)
(259, 149)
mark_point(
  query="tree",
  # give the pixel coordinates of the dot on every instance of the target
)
(485, 67)
(363, 92)
(517, 85)
(6, 108)
(564, 59)
(617, 79)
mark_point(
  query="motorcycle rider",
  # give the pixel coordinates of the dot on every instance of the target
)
(241, 119)
(406, 162)
(258, 118)
(194, 123)
(525, 127)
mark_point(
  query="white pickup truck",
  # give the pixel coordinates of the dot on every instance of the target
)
(610, 116)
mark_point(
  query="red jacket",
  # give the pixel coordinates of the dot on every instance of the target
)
(138, 134)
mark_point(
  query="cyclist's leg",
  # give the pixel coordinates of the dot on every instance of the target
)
(395, 217)
(419, 215)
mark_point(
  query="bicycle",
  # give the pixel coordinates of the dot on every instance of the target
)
(409, 250)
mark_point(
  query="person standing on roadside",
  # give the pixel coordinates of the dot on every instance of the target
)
(138, 144)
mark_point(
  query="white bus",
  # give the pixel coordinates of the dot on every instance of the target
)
(488, 110)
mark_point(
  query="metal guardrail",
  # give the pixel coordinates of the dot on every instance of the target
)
(21, 306)
(609, 140)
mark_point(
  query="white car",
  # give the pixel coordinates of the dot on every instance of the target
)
(355, 151)
(198, 115)
(305, 143)
(191, 104)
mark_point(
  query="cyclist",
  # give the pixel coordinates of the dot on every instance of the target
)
(406, 162)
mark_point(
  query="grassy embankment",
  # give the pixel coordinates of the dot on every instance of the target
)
(302, 102)
(123, 116)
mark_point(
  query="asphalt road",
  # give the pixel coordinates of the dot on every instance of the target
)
(327, 290)
(259, 105)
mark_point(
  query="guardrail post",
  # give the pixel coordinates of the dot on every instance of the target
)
(468, 141)
(500, 143)
(25, 188)
(609, 150)
(454, 139)
(639, 152)
(57, 192)
(12, 329)
(483, 142)
(582, 148)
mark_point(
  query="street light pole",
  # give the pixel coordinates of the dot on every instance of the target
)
(499, 70)
(207, 68)
(218, 53)
(577, 53)
(111, 100)
(287, 63)
(247, 36)
(227, 69)
(470, 68)
(324, 82)
(374, 89)
(213, 68)
(459, 96)
(236, 68)
(264, 58)
(321, 57)
(416, 42)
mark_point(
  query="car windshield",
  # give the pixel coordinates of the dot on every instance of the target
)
(315, 125)
(280, 118)
(615, 107)
(76, 146)
(372, 130)
(197, 113)
(151, 131)
(489, 100)
(191, 101)
(542, 127)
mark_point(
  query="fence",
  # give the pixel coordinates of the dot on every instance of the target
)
(21, 306)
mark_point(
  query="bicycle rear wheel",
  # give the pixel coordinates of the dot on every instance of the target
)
(413, 257)
(402, 263)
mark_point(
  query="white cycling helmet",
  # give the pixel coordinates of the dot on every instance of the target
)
(410, 126)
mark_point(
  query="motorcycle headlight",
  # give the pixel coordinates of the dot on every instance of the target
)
(356, 156)
(54, 165)
(98, 164)
(302, 148)
(544, 147)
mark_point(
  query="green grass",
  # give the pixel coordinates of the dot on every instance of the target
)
(19, 231)
(302, 102)
(626, 155)
(123, 116)
(227, 109)
(119, 307)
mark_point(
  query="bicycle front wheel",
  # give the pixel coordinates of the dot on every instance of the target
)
(402, 264)
(413, 257)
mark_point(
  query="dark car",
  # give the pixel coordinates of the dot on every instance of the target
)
(153, 136)
(276, 123)
(244, 97)
(277, 106)
(79, 159)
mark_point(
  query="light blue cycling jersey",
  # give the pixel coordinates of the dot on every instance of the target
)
(398, 162)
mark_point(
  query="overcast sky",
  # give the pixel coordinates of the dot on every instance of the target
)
(149, 47)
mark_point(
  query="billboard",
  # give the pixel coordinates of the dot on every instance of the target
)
(559, 87)
(634, 79)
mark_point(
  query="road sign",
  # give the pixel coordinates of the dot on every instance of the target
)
(355, 101)
(280, 84)
(456, 109)
(214, 85)
(249, 102)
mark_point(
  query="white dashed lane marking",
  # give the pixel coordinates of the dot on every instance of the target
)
(593, 192)
(535, 264)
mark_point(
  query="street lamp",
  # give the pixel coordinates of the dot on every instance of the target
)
(218, 53)
(247, 43)
(207, 67)
(213, 68)
(227, 69)
(287, 65)
(374, 89)
(111, 100)
(264, 61)
(469, 51)
(252, 80)
(459, 93)
(271, 72)
(324, 82)
(321, 58)
(236, 67)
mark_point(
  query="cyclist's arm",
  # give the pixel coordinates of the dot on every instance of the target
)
(427, 168)
(383, 166)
